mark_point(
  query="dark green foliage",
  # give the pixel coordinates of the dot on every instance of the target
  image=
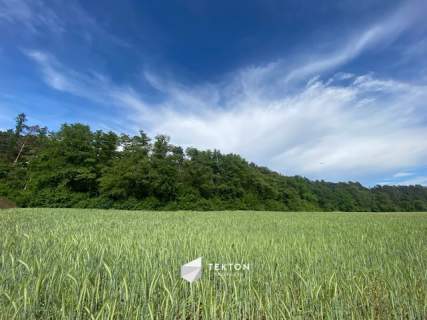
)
(76, 167)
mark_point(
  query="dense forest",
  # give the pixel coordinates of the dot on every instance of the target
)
(76, 167)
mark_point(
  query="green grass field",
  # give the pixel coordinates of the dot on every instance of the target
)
(95, 264)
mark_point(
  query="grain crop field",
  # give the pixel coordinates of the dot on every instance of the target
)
(99, 264)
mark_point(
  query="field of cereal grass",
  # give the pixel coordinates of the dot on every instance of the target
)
(107, 264)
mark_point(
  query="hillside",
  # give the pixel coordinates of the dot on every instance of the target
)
(76, 167)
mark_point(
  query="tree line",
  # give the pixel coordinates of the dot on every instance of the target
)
(81, 168)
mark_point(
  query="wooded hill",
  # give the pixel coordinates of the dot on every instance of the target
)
(76, 167)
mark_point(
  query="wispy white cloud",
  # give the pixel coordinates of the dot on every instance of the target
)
(402, 174)
(90, 85)
(406, 178)
(377, 35)
(418, 180)
(47, 18)
(34, 15)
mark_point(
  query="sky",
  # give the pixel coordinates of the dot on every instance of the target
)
(331, 90)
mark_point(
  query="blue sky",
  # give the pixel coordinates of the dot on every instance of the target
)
(333, 90)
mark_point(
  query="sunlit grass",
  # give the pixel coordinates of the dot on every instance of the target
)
(95, 264)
